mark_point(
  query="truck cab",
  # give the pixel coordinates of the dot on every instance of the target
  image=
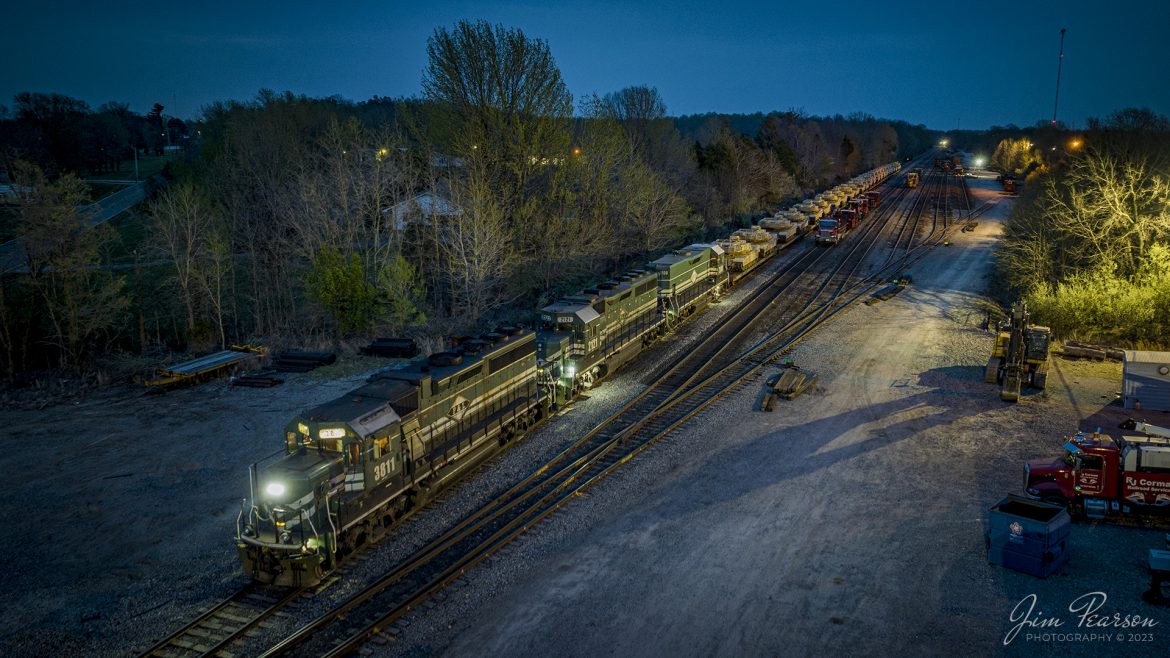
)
(1104, 476)
(1088, 467)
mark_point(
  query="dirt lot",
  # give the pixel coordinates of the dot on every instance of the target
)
(849, 521)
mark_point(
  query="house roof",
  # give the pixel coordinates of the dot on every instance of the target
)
(424, 205)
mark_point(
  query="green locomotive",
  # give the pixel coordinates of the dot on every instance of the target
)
(587, 336)
(353, 466)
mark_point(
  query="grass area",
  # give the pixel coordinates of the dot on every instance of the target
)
(349, 365)
(131, 231)
(98, 191)
(148, 165)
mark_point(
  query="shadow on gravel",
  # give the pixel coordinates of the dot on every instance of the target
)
(805, 446)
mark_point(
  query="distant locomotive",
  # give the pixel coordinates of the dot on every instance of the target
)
(354, 466)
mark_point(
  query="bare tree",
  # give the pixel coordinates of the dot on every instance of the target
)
(508, 105)
(183, 222)
(215, 278)
(476, 251)
(639, 109)
(1111, 210)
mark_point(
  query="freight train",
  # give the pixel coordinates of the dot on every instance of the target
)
(351, 468)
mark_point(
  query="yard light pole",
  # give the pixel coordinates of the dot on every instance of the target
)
(1059, 63)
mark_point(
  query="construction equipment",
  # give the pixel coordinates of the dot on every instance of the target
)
(1145, 428)
(1020, 355)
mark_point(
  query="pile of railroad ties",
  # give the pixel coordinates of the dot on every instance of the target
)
(787, 384)
(288, 361)
(1077, 349)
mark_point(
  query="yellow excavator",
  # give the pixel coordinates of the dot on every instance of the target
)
(1020, 355)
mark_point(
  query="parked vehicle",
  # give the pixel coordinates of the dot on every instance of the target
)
(1099, 476)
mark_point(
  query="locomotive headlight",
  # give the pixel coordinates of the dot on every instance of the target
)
(274, 489)
(311, 543)
(570, 371)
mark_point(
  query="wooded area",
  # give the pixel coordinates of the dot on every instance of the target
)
(295, 220)
(1088, 245)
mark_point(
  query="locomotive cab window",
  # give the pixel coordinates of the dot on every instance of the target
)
(381, 446)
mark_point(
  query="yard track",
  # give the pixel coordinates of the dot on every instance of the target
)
(815, 287)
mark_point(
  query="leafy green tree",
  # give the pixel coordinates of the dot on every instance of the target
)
(82, 304)
(405, 298)
(1089, 242)
(1012, 156)
(339, 284)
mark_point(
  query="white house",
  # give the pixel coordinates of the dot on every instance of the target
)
(422, 209)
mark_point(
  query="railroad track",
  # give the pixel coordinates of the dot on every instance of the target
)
(654, 413)
(214, 631)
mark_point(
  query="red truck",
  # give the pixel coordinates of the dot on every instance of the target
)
(860, 205)
(831, 230)
(1099, 476)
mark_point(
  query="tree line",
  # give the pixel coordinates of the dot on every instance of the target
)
(318, 220)
(61, 134)
(1088, 245)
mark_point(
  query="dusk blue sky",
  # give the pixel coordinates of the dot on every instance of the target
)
(944, 64)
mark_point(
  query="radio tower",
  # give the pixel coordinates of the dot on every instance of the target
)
(1059, 62)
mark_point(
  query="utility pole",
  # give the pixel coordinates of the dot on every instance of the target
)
(1059, 62)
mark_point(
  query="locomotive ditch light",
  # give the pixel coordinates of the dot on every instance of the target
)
(570, 371)
(285, 537)
(274, 489)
